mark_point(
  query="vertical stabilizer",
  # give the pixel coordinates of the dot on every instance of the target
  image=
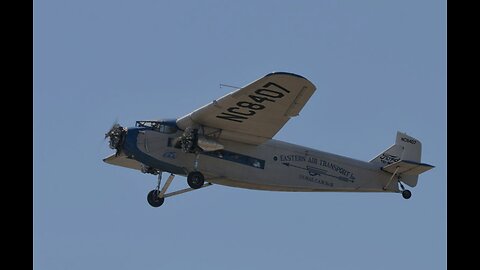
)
(405, 148)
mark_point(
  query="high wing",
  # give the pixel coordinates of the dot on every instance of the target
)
(256, 112)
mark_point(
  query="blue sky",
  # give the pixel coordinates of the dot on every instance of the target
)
(379, 67)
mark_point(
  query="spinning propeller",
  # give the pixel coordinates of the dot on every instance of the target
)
(116, 134)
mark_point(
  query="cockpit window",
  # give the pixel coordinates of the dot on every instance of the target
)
(160, 126)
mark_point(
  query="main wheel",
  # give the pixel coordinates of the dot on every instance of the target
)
(153, 199)
(195, 180)
(406, 194)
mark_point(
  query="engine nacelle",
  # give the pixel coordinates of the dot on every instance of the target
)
(208, 144)
(191, 142)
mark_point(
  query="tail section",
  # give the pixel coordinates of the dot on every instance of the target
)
(406, 150)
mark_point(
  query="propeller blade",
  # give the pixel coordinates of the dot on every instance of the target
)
(114, 126)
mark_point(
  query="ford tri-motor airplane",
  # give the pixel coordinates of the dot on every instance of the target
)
(229, 142)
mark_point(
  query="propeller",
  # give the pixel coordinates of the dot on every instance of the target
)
(116, 134)
(112, 130)
(114, 125)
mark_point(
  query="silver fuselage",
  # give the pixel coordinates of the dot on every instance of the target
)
(273, 165)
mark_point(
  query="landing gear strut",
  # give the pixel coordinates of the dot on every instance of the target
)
(195, 179)
(157, 197)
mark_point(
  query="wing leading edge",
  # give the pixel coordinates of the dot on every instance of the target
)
(256, 112)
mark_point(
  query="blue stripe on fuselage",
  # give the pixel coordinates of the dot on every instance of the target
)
(132, 151)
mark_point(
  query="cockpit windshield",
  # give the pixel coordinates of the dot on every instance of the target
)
(163, 126)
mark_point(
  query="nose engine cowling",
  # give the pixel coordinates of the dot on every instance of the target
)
(116, 137)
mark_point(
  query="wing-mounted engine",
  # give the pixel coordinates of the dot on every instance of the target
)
(193, 142)
(209, 144)
(194, 139)
(188, 142)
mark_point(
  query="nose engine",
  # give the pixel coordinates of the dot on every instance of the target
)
(117, 137)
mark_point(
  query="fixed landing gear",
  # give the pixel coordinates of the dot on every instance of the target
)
(157, 196)
(195, 180)
(153, 199)
(406, 194)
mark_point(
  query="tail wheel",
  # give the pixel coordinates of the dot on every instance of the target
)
(406, 194)
(195, 180)
(153, 199)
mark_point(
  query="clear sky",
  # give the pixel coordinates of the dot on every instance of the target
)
(379, 66)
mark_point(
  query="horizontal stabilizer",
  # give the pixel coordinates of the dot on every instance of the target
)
(407, 167)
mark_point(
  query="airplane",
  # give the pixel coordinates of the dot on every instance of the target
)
(230, 142)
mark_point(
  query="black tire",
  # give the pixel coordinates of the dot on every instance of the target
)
(195, 180)
(406, 194)
(153, 199)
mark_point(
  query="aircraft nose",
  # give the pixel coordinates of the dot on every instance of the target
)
(116, 136)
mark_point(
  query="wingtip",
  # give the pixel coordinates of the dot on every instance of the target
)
(285, 73)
